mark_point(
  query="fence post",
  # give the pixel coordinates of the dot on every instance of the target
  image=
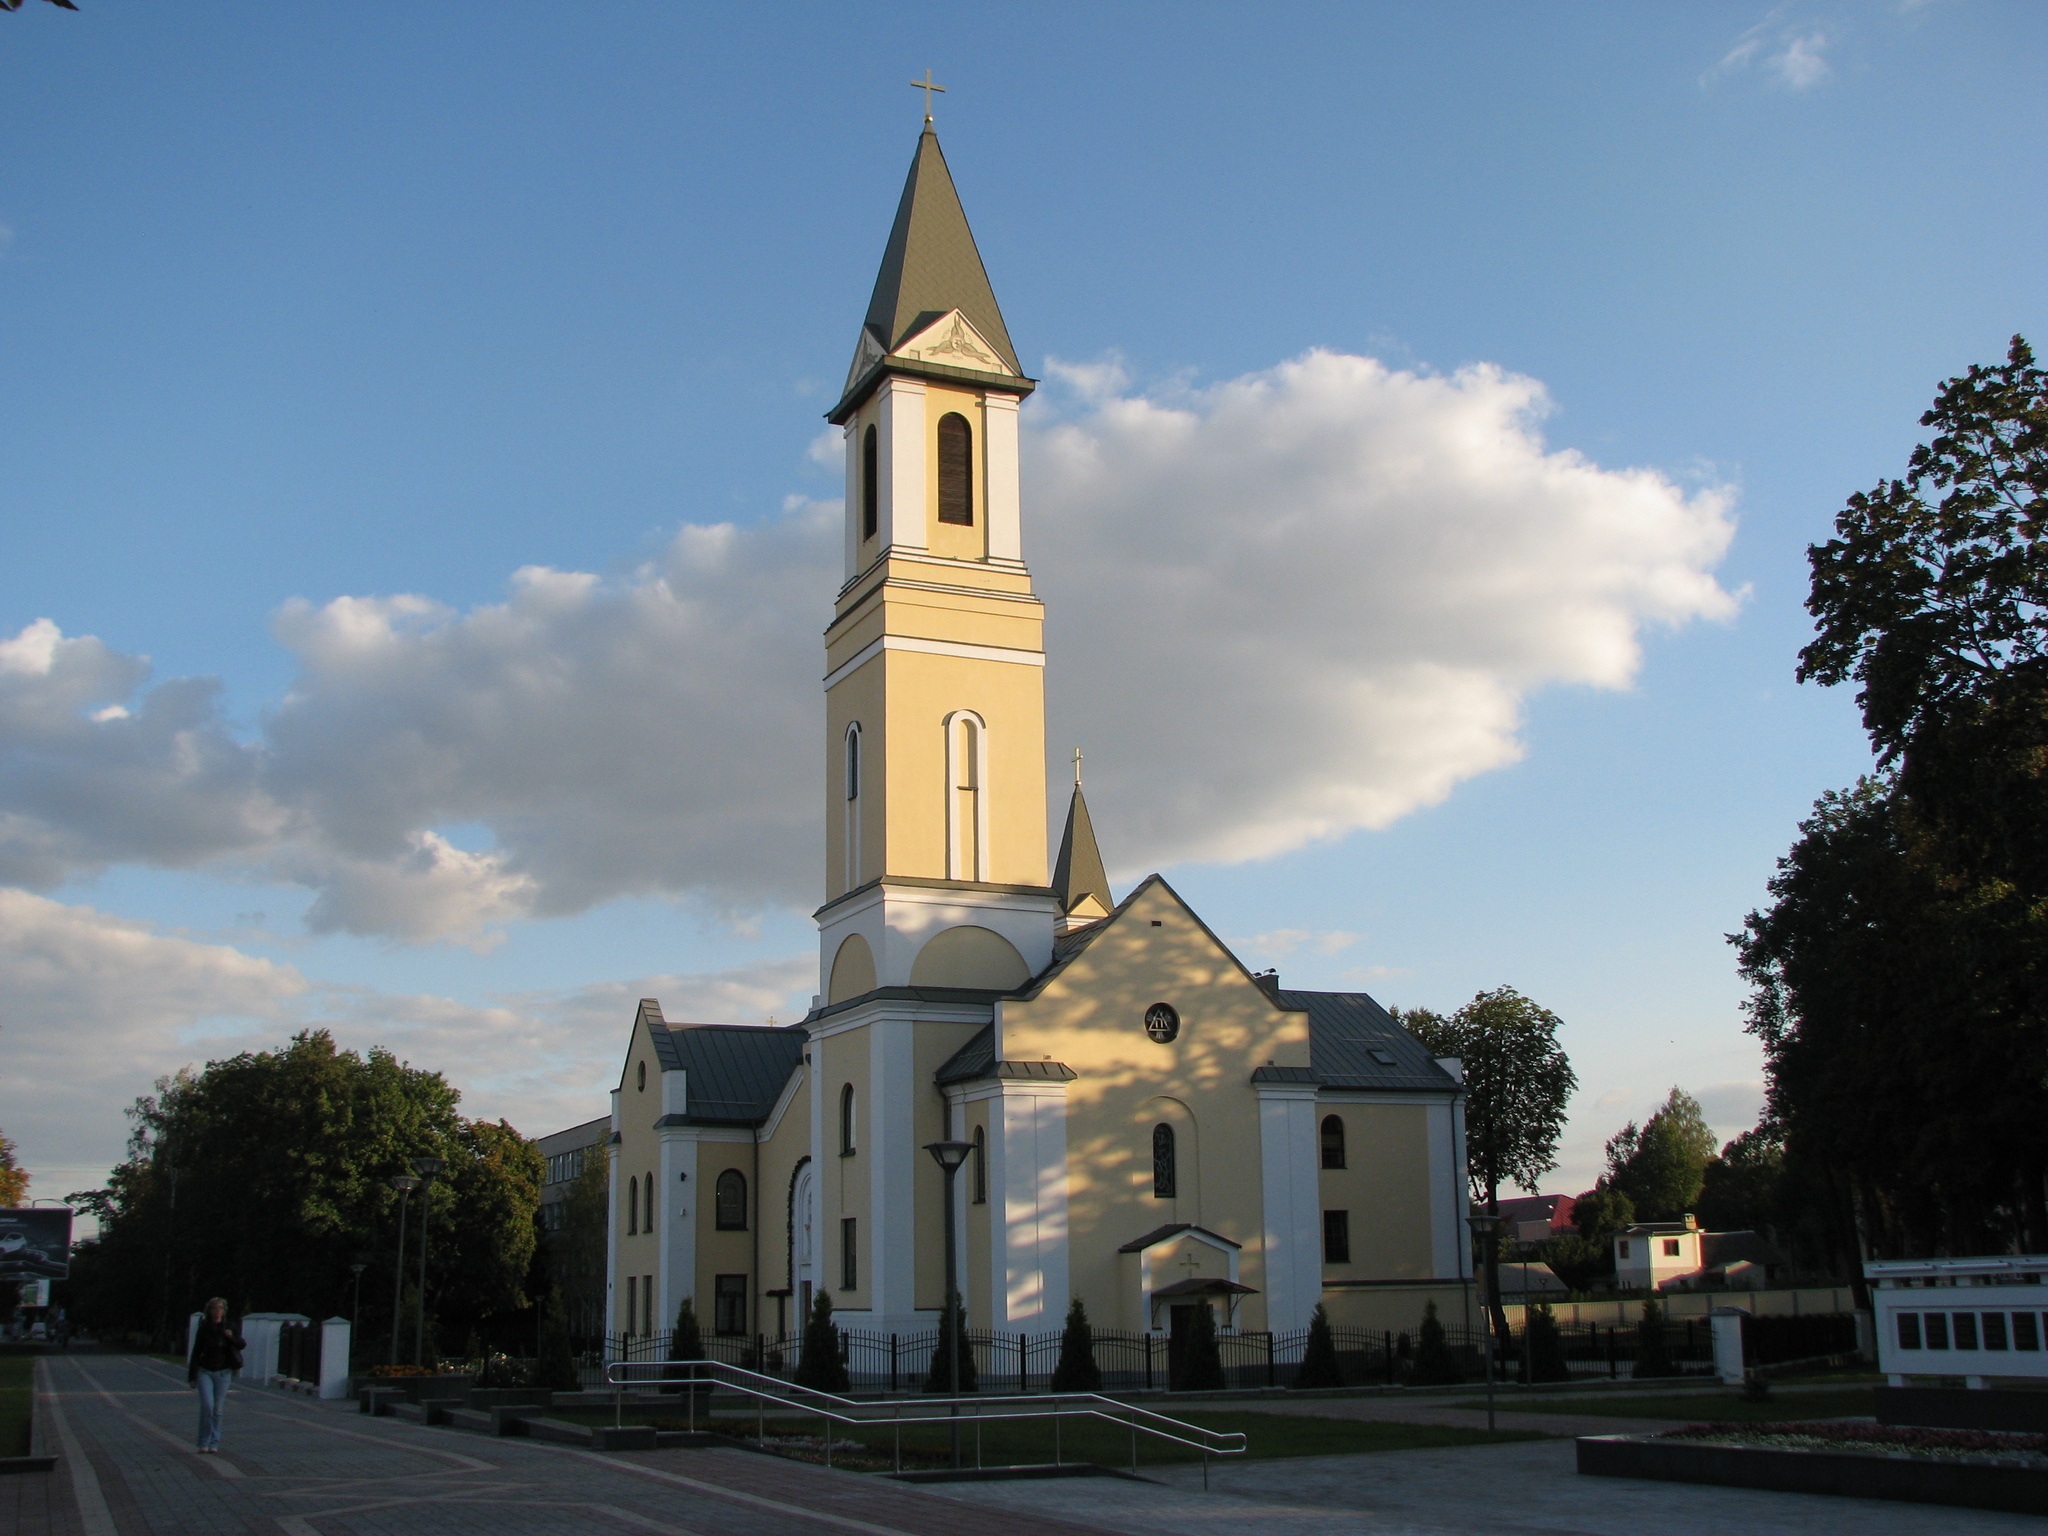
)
(1023, 1365)
(1613, 1360)
(1147, 1338)
(1272, 1379)
(892, 1363)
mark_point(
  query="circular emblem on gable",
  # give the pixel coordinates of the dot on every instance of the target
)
(1161, 1022)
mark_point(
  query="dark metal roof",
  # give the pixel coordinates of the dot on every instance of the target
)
(931, 264)
(1078, 872)
(972, 1060)
(1199, 1287)
(1349, 1034)
(736, 1071)
(1161, 1234)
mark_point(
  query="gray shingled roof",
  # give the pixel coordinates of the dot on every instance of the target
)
(1348, 1035)
(737, 1071)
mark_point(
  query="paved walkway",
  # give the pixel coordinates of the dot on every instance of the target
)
(123, 1426)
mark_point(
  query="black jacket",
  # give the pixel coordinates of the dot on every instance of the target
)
(215, 1347)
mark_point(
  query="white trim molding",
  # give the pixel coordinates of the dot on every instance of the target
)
(874, 648)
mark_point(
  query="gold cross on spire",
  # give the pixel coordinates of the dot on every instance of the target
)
(1077, 767)
(927, 87)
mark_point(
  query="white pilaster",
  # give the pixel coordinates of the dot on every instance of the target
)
(611, 1222)
(675, 1212)
(851, 432)
(1001, 478)
(1293, 1201)
(902, 466)
(889, 1230)
(1028, 1172)
(1449, 1192)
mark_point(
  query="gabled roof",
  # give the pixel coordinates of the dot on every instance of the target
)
(1355, 1043)
(736, 1071)
(931, 264)
(1174, 1229)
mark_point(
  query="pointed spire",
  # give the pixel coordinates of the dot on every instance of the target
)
(931, 264)
(1079, 874)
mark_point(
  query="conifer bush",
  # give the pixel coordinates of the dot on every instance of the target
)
(686, 1342)
(1077, 1370)
(952, 1333)
(555, 1369)
(1435, 1365)
(1653, 1350)
(819, 1366)
(1543, 1345)
(1318, 1366)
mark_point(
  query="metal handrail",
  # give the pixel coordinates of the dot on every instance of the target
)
(831, 1407)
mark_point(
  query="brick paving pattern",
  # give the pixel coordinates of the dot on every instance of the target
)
(293, 1468)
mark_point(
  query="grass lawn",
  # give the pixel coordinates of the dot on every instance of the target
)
(1725, 1407)
(1013, 1442)
(17, 1389)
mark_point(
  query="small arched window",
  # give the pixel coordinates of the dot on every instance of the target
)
(846, 1121)
(632, 1207)
(732, 1201)
(1333, 1142)
(980, 1166)
(956, 470)
(1165, 1175)
(853, 761)
(647, 1193)
(640, 1085)
(870, 485)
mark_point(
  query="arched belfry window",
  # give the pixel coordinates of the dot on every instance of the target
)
(1333, 1142)
(956, 470)
(870, 485)
(980, 1166)
(647, 1192)
(632, 1207)
(1165, 1173)
(966, 797)
(846, 1121)
(732, 1201)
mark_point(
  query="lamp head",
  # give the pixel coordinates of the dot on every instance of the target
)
(949, 1155)
(428, 1167)
(1484, 1224)
(404, 1183)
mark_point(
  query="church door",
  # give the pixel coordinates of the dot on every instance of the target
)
(803, 1249)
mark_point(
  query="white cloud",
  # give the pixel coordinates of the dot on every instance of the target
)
(1282, 942)
(1284, 608)
(1791, 53)
(98, 1007)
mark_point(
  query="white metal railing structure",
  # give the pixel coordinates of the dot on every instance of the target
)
(831, 1408)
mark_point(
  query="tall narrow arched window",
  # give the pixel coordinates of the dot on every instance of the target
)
(1333, 1142)
(846, 1121)
(1165, 1175)
(870, 485)
(956, 470)
(732, 1201)
(980, 1166)
(632, 1207)
(647, 1194)
(852, 828)
(966, 797)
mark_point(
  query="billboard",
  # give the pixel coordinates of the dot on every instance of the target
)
(35, 1244)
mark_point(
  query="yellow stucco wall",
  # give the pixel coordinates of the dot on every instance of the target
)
(843, 1187)
(1092, 1018)
(1385, 1187)
(639, 1151)
(783, 1148)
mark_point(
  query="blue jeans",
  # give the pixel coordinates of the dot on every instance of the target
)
(213, 1396)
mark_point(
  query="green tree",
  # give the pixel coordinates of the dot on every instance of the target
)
(1739, 1190)
(1543, 1346)
(1577, 1260)
(1601, 1212)
(572, 1249)
(1319, 1368)
(1517, 1084)
(1435, 1365)
(13, 1177)
(1077, 1370)
(820, 1365)
(555, 1370)
(260, 1178)
(1661, 1167)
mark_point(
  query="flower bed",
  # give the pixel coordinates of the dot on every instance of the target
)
(2005, 1449)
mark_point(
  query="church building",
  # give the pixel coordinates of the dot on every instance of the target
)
(1153, 1126)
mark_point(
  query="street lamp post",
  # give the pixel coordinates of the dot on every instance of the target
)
(949, 1155)
(427, 1168)
(1486, 1228)
(355, 1310)
(405, 1184)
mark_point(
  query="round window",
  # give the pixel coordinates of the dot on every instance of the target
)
(1161, 1022)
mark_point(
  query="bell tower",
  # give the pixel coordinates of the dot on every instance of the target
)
(934, 659)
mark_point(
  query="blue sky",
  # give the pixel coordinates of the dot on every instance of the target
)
(315, 303)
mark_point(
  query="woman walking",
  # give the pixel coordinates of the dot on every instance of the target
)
(216, 1356)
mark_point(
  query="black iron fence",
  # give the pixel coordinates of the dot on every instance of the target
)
(1024, 1362)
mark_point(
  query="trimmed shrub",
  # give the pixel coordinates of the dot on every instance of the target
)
(1653, 1350)
(1435, 1365)
(819, 1366)
(952, 1333)
(1077, 1370)
(1543, 1345)
(1318, 1366)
